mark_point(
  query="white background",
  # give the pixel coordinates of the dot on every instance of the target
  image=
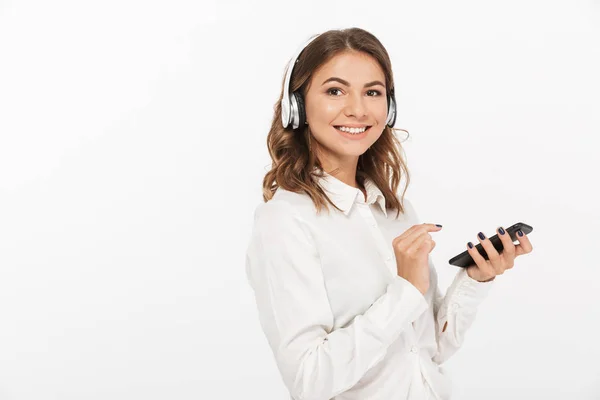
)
(132, 152)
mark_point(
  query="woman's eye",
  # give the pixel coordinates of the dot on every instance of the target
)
(378, 93)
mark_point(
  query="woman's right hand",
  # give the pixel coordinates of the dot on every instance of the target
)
(412, 250)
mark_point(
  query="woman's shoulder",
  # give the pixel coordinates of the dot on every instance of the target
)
(285, 205)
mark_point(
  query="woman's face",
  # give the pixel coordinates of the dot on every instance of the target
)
(349, 90)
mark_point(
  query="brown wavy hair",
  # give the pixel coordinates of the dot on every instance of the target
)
(295, 161)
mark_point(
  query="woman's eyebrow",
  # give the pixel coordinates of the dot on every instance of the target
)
(344, 82)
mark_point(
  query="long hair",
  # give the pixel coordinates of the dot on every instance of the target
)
(295, 161)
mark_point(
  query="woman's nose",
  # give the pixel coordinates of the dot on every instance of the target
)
(355, 106)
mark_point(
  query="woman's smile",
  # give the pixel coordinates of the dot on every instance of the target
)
(353, 133)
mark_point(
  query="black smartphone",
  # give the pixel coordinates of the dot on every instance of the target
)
(464, 259)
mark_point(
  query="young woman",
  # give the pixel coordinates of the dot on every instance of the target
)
(349, 299)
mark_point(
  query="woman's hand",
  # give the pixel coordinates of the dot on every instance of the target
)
(412, 250)
(486, 270)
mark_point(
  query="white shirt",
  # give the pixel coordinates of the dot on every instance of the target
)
(340, 321)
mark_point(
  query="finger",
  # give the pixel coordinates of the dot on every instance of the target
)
(491, 251)
(411, 234)
(424, 243)
(427, 246)
(411, 244)
(524, 245)
(481, 262)
(507, 243)
(415, 229)
(415, 239)
(407, 232)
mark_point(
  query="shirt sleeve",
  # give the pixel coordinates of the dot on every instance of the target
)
(454, 312)
(315, 361)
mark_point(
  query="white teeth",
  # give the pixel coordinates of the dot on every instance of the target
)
(352, 130)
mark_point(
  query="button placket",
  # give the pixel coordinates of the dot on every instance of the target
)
(366, 212)
(383, 250)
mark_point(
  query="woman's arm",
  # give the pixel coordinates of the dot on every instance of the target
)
(455, 312)
(315, 361)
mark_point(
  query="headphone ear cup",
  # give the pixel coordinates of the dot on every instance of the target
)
(391, 117)
(301, 112)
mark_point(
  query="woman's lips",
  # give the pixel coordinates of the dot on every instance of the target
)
(353, 136)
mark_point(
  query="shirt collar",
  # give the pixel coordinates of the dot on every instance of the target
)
(344, 195)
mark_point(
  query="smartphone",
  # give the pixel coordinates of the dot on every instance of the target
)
(464, 259)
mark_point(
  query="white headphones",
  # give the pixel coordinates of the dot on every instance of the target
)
(292, 106)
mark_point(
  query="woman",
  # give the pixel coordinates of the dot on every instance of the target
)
(349, 299)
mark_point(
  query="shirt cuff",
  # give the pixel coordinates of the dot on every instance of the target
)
(466, 292)
(402, 305)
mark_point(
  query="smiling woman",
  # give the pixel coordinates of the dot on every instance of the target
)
(349, 301)
(337, 84)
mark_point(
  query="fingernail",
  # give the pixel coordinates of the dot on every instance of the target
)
(438, 225)
(501, 231)
(520, 232)
(481, 235)
(470, 245)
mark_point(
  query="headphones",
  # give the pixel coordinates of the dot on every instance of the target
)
(292, 106)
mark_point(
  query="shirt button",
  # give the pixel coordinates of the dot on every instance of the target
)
(455, 306)
(388, 258)
(414, 349)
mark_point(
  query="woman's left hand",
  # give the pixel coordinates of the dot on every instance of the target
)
(486, 270)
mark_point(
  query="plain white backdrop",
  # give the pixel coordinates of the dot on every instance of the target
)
(132, 152)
